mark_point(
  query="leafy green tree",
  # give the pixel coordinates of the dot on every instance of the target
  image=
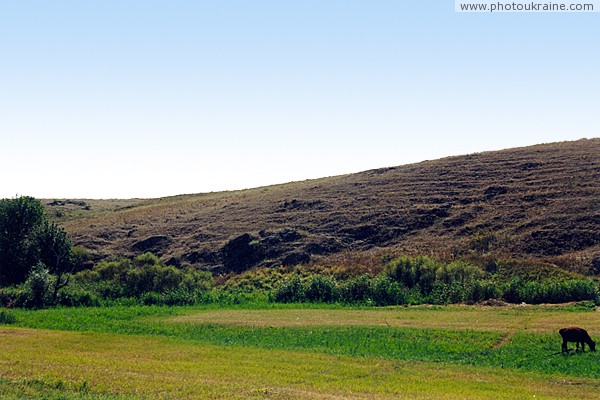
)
(18, 219)
(55, 251)
(27, 239)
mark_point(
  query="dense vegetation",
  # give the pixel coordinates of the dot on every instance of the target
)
(35, 253)
(28, 239)
(417, 280)
(404, 280)
(41, 268)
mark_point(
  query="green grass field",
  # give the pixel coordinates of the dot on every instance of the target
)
(282, 352)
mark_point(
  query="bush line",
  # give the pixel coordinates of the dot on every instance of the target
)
(403, 281)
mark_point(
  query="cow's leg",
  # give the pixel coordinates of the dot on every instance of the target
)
(564, 346)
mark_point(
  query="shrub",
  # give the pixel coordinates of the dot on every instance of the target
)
(81, 258)
(151, 278)
(571, 290)
(37, 287)
(12, 297)
(458, 272)
(6, 317)
(180, 297)
(290, 291)
(151, 298)
(380, 291)
(196, 280)
(72, 296)
(518, 290)
(357, 290)
(144, 274)
(484, 290)
(320, 289)
(411, 272)
(387, 292)
(256, 279)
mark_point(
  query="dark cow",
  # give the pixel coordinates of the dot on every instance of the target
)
(576, 335)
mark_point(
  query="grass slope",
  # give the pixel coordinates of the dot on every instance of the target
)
(534, 202)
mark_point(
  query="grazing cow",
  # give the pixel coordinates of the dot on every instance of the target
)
(576, 335)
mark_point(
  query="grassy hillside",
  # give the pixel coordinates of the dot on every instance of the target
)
(539, 202)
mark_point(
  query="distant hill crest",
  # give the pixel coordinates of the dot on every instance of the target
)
(538, 202)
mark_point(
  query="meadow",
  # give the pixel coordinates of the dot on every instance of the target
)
(282, 351)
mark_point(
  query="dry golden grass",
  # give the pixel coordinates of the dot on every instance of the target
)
(539, 201)
(506, 319)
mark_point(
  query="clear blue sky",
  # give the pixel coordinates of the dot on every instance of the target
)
(146, 98)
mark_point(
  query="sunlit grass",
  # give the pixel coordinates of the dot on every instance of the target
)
(381, 341)
(506, 319)
(283, 351)
(161, 368)
(521, 338)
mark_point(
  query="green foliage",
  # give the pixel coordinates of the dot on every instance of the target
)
(27, 238)
(179, 297)
(256, 280)
(458, 272)
(37, 287)
(485, 289)
(357, 290)
(427, 275)
(19, 218)
(146, 278)
(54, 251)
(81, 258)
(518, 290)
(54, 247)
(74, 295)
(145, 260)
(7, 318)
(408, 280)
(413, 272)
(387, 292)
(290, 291)
(381, 291)
(320, 289)
(404, 280)
(12, 296)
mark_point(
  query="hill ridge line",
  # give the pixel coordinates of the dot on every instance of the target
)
(534, 202)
